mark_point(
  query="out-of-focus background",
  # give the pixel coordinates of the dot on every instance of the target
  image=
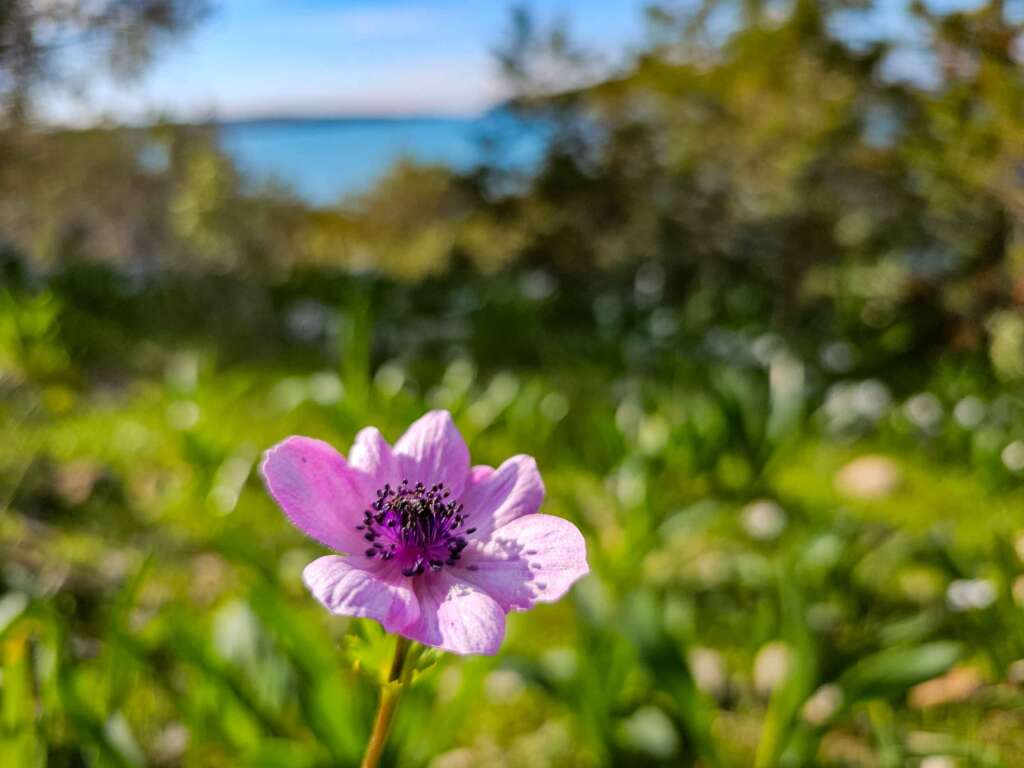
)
(746, 276)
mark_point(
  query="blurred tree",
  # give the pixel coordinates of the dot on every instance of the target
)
(795, 159)
(538, 60)
(36, 34)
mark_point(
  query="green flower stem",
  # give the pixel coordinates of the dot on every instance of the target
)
(388, 702)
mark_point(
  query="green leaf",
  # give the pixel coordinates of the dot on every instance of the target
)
(891, 672)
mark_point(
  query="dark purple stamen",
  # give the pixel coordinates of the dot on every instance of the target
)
(416, 526)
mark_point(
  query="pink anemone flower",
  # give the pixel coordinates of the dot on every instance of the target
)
(435, 550)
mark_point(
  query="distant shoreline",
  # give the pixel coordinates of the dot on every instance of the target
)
(368, 120)
(329, 157)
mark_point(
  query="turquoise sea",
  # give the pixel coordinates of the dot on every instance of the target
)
(324, 160)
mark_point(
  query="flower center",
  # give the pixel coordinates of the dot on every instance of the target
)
(416, 526)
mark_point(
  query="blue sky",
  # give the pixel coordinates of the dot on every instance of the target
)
(300, 57)
(374, 57)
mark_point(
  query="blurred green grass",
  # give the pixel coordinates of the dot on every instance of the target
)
(746, 606)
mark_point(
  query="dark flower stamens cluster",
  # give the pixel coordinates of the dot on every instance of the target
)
(415, 525)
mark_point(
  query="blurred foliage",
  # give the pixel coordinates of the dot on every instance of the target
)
(46, 42)
(757, 314)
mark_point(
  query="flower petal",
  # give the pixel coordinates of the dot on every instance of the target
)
(372, 455)
(512, 490)
(456, 616)
(318, 491)
(533, 559)
(432, 451)
(346, 589)
(479, 473)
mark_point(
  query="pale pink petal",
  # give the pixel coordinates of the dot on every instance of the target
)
(348, 590)
(533, 559)
(512, 490)
(372, 456)
(456, 616)
(479, 473)
(432, 451)
(317, 490)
